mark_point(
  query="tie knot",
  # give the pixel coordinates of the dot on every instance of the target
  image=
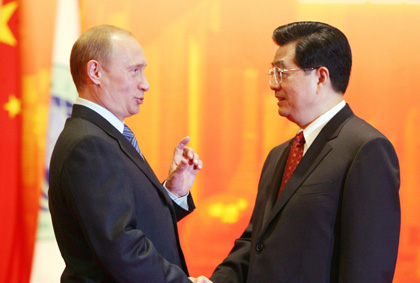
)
(129, 135)
(127, 132)
(299, 139)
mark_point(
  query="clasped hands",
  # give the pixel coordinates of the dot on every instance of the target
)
(183, 170)
(200, 279)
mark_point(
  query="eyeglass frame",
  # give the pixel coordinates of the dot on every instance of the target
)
(272, 74)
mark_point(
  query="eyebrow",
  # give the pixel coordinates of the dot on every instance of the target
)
(278, 63)
(140, 65)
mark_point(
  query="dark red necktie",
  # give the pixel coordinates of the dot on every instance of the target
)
(295, 155)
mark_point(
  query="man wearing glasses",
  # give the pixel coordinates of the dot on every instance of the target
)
(327, 208)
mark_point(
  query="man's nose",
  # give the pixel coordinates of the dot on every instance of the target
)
(274, 85)
(144, 84)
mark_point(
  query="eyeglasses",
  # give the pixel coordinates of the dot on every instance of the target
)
(276, 74)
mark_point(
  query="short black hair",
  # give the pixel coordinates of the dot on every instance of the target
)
(317, 45)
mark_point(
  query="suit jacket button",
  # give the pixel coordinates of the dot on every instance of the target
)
(259, 247)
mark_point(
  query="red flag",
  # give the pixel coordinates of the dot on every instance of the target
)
(13, 264)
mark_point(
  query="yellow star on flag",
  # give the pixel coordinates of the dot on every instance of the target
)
(14, 106)
(6, 12)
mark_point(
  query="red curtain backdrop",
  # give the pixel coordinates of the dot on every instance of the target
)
(207, 67)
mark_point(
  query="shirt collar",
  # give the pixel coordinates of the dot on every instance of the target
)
(313, 129)
(105, 113)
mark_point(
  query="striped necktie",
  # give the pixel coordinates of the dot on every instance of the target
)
(131, 138)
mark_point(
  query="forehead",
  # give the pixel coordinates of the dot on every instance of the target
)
(126, 48)
(285, 56)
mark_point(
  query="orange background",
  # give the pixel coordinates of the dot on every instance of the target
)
(208, 62)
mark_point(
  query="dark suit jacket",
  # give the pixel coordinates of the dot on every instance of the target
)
(112, 218)
(337, 220)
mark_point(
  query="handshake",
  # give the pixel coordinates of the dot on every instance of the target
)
(200, 279)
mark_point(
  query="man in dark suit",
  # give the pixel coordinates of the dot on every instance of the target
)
(336, 217)
(113, 220)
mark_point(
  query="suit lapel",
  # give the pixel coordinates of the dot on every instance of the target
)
(308, 163)
(315, 154)
(80, 111)
(275, 184)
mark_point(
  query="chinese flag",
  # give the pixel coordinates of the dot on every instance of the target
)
(13, 264)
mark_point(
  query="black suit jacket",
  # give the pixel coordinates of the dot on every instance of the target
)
(337, 220)
(113, 220)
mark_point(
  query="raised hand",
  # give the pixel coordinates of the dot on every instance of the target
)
(183, 170)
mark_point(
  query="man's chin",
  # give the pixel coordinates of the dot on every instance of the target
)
(282, 112)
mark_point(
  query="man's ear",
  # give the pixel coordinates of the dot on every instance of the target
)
(323, 77)
(94, 71)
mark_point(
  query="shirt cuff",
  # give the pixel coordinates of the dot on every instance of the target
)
(181, 201)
